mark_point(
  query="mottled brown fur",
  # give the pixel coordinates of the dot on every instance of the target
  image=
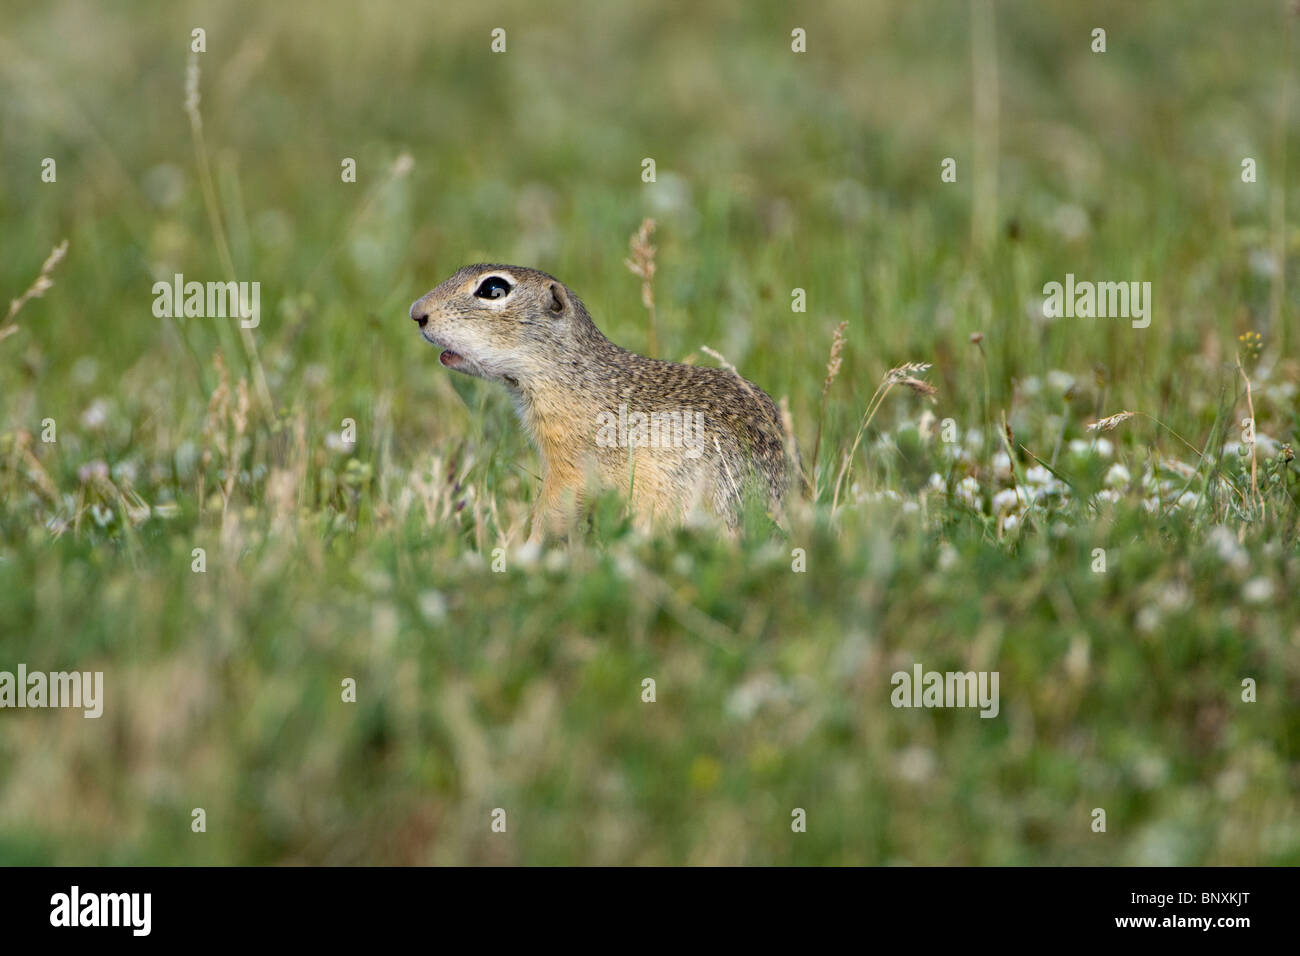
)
(538, 341)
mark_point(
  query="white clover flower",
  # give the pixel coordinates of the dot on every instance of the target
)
(404, 163)
(1282, 392)
(1002, 465)
(92, 471)
(1230, 784)
(1070, 221)
(1060, 381)
(1266, 445)
(926, 426)
(95, 416)
(968, 490)
(335, 443)
(164, 184)
(916, 764)
(1174, 597)
(125, 473)
(1226, 546)
(433, 607)
(1257, 591)
(1148, 619)
(1043, 481)
(85, 371)
(1008, 498)
(758, 691)
(1263, 263)
(1038, 475)
(672, 196)
(1117, 476)
(530, 552)
(947, 557)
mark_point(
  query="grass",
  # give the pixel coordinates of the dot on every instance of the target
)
(522, 688)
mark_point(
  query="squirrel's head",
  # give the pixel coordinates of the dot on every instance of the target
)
(504, 323)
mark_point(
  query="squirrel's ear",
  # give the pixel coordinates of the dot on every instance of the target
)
(559, 302)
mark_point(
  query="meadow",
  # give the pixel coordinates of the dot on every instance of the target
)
(1105, 515)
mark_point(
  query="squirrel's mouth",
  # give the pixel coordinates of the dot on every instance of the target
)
(451, 359)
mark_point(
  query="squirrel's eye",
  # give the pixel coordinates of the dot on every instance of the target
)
(493, 287)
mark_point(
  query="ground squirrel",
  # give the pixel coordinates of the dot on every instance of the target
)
(671, 436)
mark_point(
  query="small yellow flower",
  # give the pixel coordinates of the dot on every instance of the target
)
(1252, 343)
(705, 773)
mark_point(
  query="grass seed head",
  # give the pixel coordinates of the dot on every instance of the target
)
(1109, 423)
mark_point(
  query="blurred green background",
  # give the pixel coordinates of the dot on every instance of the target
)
(521, 689)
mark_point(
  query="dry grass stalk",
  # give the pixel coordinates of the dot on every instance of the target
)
(38, 288)
(224, 431)
(904, 375)
(833, 365)
(642, 264)
(1254, 467)
(208, 188)
(791, 446)
(1111, 422)
(26, 465)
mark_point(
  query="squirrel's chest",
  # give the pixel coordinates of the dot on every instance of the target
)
(559, 429)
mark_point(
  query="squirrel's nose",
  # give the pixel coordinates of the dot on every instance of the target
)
(419, 315)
